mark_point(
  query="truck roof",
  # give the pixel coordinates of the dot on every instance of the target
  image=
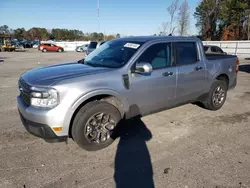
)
(154, 38)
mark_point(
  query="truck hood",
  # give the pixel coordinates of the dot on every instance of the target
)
(48, 75)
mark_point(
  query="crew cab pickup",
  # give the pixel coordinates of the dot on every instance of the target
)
(123, 78)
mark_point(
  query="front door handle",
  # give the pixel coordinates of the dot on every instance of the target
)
(198, 68)
(167, 74)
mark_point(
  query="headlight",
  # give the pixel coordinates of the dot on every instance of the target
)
(44, 98)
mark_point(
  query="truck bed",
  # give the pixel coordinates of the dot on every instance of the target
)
(219, 56)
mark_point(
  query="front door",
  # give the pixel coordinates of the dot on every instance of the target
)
(155, 91)
(191, 72)
(48, 47)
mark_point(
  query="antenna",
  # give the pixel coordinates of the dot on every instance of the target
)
(98, 15)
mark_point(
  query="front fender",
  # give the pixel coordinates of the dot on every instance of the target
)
(89, 95)
(94, 93)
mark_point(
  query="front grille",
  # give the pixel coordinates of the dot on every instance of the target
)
(25, 97)
(24, 91)
(24, 85)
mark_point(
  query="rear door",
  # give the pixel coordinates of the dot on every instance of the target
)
(191, 71)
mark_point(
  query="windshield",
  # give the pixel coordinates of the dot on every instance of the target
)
(113, 54)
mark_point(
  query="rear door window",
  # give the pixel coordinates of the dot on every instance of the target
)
(213, 49)
(219, 50)
(186, 53)
(206, 48)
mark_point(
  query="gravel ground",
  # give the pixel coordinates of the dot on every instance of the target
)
(184, 147)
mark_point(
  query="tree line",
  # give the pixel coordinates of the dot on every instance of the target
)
(223, 19)
(37, 33)
(216, 19)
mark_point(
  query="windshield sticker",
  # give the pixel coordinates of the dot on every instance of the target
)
(132, 45)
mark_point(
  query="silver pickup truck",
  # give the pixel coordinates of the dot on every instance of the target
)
(123, 78)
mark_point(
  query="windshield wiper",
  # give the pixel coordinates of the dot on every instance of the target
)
(98, 65)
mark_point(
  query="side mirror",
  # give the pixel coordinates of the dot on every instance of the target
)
(81, 61)
(143, 67)
(225, 53)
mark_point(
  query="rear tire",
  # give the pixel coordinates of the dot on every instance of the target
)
(44, 50)
(216, 96)
(94, 124)
(60, 50)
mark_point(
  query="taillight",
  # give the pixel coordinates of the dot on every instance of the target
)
(237, 66)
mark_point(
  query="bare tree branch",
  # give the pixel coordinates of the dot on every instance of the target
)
(172, 11)
(183, 18)
(163, 29)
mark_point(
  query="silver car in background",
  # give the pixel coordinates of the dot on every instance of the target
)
(93, 45)
(82, 48)
(212, 49)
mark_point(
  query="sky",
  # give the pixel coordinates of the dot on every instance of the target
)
(127, 17)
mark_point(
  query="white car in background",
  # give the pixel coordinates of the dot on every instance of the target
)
(35, 46)
(82, 48)
(19, 48)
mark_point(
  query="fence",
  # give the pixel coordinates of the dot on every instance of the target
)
(232, 47)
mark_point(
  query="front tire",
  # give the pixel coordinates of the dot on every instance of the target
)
(216, 96)
(94, 124)
(44, 50)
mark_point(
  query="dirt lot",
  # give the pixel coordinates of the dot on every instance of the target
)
(184, 147)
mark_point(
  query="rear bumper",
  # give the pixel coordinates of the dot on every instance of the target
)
(41, 130)
(233, 83)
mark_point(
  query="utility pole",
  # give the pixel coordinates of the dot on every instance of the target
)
(98, 15)
(248, 25)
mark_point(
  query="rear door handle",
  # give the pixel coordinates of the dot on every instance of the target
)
(167, 74)
(198, 68)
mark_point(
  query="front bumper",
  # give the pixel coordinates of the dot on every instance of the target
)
(41, 130)
(40, 122)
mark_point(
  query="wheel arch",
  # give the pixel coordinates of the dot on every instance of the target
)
(223, 77)
(109, 96)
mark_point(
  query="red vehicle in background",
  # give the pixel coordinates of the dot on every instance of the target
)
(50, 47)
